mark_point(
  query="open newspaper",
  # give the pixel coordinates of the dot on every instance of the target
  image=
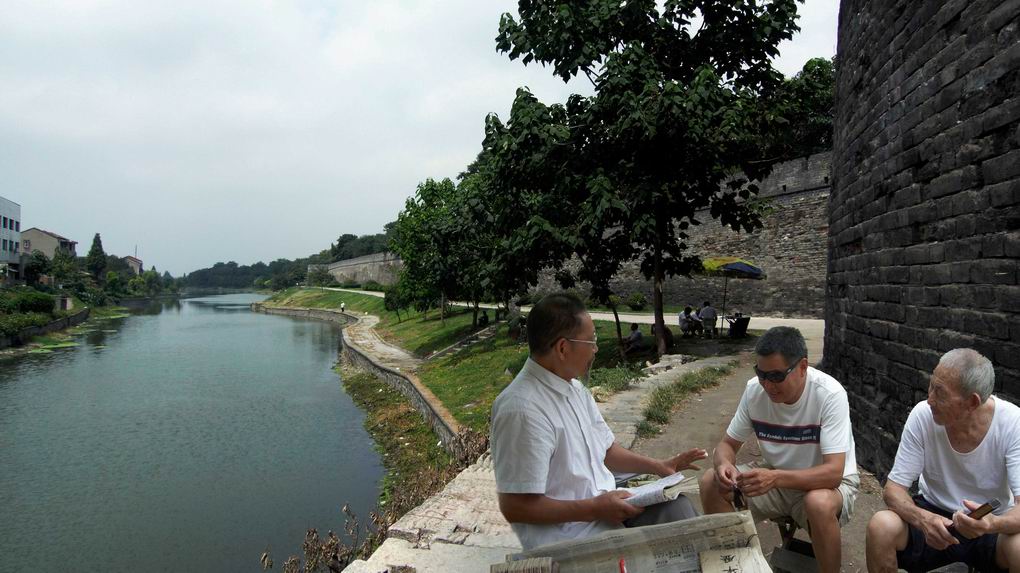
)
(662, 490)
(668, 548)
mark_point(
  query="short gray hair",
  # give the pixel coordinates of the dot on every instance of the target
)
(974, 371)
(785, 340)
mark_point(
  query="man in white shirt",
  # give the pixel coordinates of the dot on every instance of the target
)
(963, 446)
(708, 316)
(801, 418)
(553, 453)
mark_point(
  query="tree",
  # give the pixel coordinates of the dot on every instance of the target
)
(808, 101)
(115, 283)
(678, 111)
(64, 267)
(95, 261)
(38, 264)
(319, 276)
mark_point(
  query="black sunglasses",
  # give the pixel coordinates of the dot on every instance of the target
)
(776, 376)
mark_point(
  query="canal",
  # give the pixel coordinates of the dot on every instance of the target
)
(189, 436)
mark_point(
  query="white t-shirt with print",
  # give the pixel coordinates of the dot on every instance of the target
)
(795, 436)
(947, 477)
(548, 437)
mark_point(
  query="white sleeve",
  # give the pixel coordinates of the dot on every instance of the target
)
(1013, 458)
(836, 430)
(910, 455)
(600, 427)
(740, 426)
(522, 446)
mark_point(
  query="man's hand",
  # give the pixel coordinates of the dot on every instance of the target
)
(611, 507)
(756, 482)
(936, 532)
(683, 461)
(968, 527)
(726, 476)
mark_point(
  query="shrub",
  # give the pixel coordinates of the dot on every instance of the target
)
(33, 302)
(13, 323)
(373, 285)
(637, 301)
(350, 284)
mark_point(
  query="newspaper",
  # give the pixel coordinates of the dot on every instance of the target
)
(662, 490)
(741, 560)
(667, 548)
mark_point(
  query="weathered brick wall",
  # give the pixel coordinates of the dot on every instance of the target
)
(924, 212)
(791, 248)
(383, 268)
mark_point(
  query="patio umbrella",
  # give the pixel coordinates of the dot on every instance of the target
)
(731, 267)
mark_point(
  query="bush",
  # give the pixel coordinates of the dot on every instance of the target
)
(637, 301)
(25, 300)
(13, 323)
(350, 284)
(524, 299)
(373, 285)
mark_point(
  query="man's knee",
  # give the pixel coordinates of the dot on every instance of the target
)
(707, 483)
(822, 504)
(885, 529)
(1008, 551)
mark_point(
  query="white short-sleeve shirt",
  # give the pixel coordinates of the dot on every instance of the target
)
(796, 436)
(947, 477)
(548, 437)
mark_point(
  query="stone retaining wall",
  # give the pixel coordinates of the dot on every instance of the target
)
(26, 334)
(410, 386)
(407, 383)
(924, 213)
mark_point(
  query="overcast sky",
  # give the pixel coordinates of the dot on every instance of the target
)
(241, 130)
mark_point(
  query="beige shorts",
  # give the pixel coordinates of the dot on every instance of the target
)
(781, 502)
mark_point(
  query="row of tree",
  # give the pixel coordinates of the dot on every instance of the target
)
(687, 116)
(98, 276)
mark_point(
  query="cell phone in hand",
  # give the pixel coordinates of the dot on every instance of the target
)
(984, 509)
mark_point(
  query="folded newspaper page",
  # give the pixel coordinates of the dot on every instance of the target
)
(662, 490)
(667, 548)
(738, 560)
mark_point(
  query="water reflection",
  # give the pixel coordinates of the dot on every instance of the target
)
(188, 436)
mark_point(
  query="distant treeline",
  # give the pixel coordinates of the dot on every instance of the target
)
(283, 273)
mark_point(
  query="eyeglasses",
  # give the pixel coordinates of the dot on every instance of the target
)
(593, 342)
(776, 376)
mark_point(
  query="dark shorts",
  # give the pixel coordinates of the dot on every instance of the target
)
(918, 557)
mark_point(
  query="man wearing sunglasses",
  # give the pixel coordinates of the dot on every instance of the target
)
(801, 418)
(552, 452)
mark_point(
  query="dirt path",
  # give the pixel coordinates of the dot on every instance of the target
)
(702, 421)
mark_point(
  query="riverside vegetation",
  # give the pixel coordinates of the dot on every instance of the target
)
(467, 382)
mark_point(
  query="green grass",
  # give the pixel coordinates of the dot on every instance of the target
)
(419, 333)
(665, 399)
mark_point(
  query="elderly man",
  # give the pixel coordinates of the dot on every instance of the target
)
(552, 452)
(963, 445)
(801, 418)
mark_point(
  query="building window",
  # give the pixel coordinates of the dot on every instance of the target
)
(17, 226)
(5, 222)
(5, 244)
(28, 246)
(17, 246)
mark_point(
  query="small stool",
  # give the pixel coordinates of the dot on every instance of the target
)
(792, 555)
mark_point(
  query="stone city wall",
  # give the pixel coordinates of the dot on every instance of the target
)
(924, 213)
(383, 268)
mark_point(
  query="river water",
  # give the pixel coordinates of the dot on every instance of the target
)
(189, 436)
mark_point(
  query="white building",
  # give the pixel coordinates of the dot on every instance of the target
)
(10, 237)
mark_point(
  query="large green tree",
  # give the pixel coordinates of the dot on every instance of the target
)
(95, 261)
(685, 99)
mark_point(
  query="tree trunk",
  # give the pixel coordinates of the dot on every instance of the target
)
(619, 332)
(442, 308)
(660, 324)
(474, 317)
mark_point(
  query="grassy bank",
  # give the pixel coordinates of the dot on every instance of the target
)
(420, 333)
